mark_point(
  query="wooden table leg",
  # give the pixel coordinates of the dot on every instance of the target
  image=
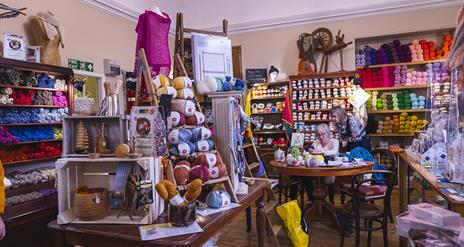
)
(260, 221)
(404, 190)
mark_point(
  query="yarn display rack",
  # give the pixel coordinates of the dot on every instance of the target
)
(312, 97)
(268, 139)
(402, 70)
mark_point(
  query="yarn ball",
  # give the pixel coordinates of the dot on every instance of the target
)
(161, 81)
(185, 93)
(207, 85)
(199, 172)
(207, 159)
(122, 150)
(218, 171)
(177, 136)
(204, 146)
(181, 172)
(181, 82)
(200, 133)
(197, 119)
(176, 119)
(166, 90)
(218, 199)
(186, 107)
(183, 149)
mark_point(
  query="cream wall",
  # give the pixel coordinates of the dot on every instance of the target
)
(261, 49)
(90, 35)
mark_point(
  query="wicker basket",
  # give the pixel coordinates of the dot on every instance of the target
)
(91, 206)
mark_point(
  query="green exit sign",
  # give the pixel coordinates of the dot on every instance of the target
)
(80, 65)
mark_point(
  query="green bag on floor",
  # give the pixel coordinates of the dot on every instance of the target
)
(290, 213)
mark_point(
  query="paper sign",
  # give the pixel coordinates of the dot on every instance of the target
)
(359, 98)
(157, 231)
(297, 140)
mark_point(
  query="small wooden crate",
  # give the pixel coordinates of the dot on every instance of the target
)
(71, 176)
(115, 132)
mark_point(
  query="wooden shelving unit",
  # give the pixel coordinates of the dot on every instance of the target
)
(31, 124)
(33, 88)
(31, 142)
(332, 98)
(407, 63)
(399, 111)
(396, 88)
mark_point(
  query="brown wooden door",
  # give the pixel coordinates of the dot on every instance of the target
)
(237, 61)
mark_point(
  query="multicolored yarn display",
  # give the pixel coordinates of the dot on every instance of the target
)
(396, 52)
(27, 152)
(35, 115)
(6, 137)
(33, 133)
(400, 124)
(400, 100)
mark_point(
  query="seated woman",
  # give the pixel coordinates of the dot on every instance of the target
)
(351, 129)
(328, 146)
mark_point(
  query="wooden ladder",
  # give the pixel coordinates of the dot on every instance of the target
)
(273, 222)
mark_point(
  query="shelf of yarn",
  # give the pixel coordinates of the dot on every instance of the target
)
(265, 113)
(332, 98)
(315, 88)
(31, 142)
(268, 132)
(268, 98)
(398, 111)
(425, 86)
(324, 109)
(31, 124)
(30, 188)
(279, 83)
(47, 200)
(32, 160)
(390, 135)
(32, 106)
(397, 125)
(400, 64)
(33, 88)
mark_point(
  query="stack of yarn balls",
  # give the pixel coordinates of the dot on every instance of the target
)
(400, 75)
(417, 102)
(20, 179)
(59, 99)
(401, 100)
(219, 84)
(205, 166)
(33, 133)
(27, 152)
(186, 141)
(5, 94)
(22, 96)
(36, 115)
(437, 72)
(6, 137)
(444, 49)
(400, 124)
(57, 133)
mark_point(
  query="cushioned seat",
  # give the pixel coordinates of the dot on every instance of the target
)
(367, 191)
(366, 210)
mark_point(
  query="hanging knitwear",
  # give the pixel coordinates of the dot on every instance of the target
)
(152, 35)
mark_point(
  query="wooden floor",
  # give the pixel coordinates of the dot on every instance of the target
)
(322, 232)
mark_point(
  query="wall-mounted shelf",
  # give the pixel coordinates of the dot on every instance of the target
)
(399, 64)
(31, 124)
(315, 88)
(390, 135)
(396, 88)
(398, 111)
(268, 98)
(265, 113)
(270, 84)
(31, 142)
(33, 88)
(31, 161)
(333, 98)
(324, 109)
(32, 106)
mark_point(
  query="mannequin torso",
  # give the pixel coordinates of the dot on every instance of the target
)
(50, 51)
(157, 10)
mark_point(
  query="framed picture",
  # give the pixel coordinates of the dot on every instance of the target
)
(297, 140)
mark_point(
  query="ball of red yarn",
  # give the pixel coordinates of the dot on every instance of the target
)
(181, 172)
(200, 172)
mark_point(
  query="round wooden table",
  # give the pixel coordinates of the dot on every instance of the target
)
(320, 206)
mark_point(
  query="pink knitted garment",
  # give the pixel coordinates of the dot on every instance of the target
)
(152, 35)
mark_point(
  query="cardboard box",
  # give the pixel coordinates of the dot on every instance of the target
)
(101, 173)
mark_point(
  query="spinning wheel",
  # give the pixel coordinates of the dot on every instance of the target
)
(325, 38)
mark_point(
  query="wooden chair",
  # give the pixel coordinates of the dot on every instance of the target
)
(361, 209)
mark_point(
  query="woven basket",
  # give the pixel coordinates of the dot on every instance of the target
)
(84, 106)
(91, 206)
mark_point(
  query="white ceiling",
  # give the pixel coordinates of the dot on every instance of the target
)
(250, 14)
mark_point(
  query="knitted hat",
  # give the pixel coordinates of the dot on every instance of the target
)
(200, 133)
(197, 119)
(181, 82)
(218, 199)
(177, 136)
